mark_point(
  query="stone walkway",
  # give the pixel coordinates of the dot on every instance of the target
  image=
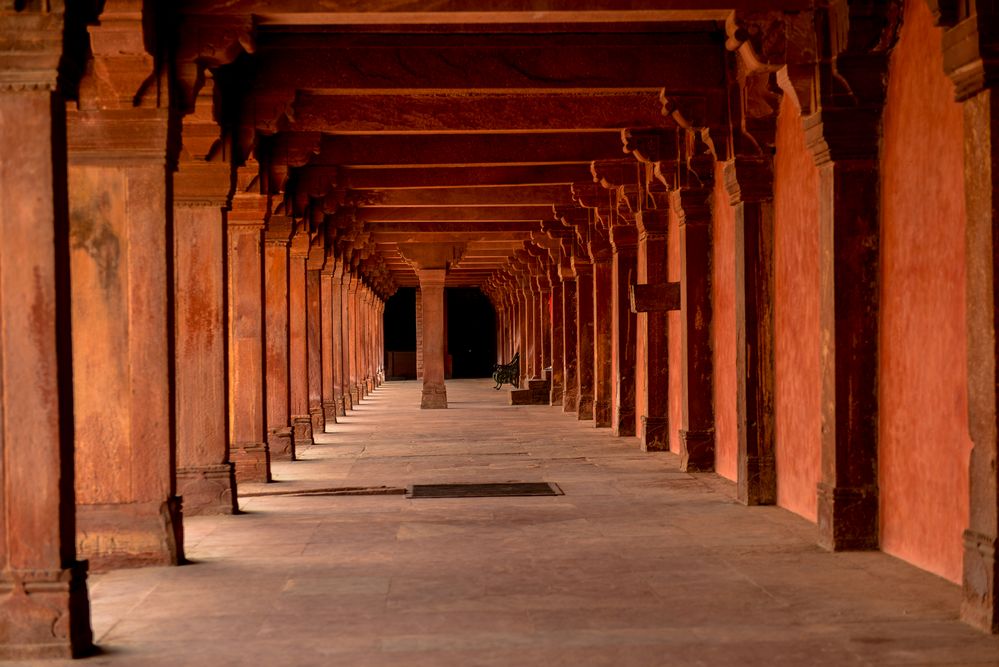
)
(637, 564)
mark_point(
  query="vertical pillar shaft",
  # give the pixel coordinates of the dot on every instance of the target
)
(280, 439)
(327, 340)
(584, 337)
(624, 334)
(419, 334)
(653, 333)
(570, 397)
(313, 331)
(298, 349)
(432, 289)
(247, 445)
(557, 343)
(697, 434)
(205, 477)
(343, 307)
(44, 608)
(336, 309)
(121, 217)
(603, 382)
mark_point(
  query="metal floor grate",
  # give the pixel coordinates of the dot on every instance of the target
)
(495, 490)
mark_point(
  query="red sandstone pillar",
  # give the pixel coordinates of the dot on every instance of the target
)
(120, 206)
(603, 383)
(432, 288)
(584, 334)
(544, 292)
(697, 433)
(570, 396)
(341, 295)
(277, 238)
(44, 608)
(419, 334)
(653, 334)
(205, 477)
(298, 348)
(336, 304)
(624, 330)
(328, 335)
(247, 445)
(313, 290)
(354, 338)
(557, 342)
(974, 78)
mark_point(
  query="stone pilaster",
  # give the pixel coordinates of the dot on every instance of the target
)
(603, 315)
(277, 238)
(432, 288)
(328, 337)
(298, 348)
(653, 333)
(624, 329)
(313, 323)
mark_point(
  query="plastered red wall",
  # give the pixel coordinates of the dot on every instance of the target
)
(675, 349)
(723, 329)
(798, 415)
(923, 435)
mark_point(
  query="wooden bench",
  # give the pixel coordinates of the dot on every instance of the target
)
(507, 373)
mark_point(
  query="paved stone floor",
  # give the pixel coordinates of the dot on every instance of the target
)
(637, 564)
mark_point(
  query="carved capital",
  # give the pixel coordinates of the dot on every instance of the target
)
(208, 41)
(31, 45)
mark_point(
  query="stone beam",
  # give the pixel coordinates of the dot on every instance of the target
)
(457, 214)
(419, 112)
(627, 61)
(513, 148)
(530, 195)
(453, 176)
(457, 227)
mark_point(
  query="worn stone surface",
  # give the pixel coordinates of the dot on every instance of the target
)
(637, 564)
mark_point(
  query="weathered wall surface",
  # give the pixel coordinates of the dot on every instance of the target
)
(923, 435)
(798, 416)
(723, 329)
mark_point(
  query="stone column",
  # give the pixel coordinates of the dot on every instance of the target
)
(206, 479)
(432, 289)
(570, 397)
(557, 342)
(354, 338)
(653, 333)
(247, 434)
(419, 334)
(966, 44)
(277, 238)
(603, 383)
(44, 608)
(313, 290)
(697, 433)
(121, 216)
(342, 294)
(336, 306)
(328, 335)
(544, 292)
(624, 329)
(298, 346)
(584, 335)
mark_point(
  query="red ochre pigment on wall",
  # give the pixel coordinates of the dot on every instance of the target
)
(723, 329)
(923, 434)
(798, 410)
(675, 349)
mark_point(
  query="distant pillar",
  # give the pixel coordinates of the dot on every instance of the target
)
(419, 334)
(624, 338)
(601, 256)
(313, 324)
(328, 335)
(206, 479)
(584, 335)
(247, 444)
(343, 307)
(44, 608)
(276, 345)
(557, 342)
(653, 332)
(298, 352)
(335, 303)
(432, 289)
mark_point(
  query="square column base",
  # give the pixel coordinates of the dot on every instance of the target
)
(45, 614)
(434, 397)
(252, 461)
(980, 603)
(329, 413)
(697, 451)
(318, 419)
(569, 402)
(301, 428)
(584, 408)
(207, 489)
(120, 535)
(655, 434)
(848, 518)
(339, 405)
(601, 414)
(281, 444)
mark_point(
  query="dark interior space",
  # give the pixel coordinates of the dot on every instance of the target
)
(471, 333)
(400, 335)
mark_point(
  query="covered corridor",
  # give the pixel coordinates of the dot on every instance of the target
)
(637, 564)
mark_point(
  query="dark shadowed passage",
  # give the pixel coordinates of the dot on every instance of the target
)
(471, 333)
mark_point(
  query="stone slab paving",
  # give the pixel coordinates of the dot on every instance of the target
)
(637, 564)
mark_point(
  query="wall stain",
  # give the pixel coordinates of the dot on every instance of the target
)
(90, 232)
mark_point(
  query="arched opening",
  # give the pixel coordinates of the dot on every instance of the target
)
(400, 335)
(471, 333)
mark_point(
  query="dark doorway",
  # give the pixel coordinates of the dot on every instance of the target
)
(400, 335)
(471, 333)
